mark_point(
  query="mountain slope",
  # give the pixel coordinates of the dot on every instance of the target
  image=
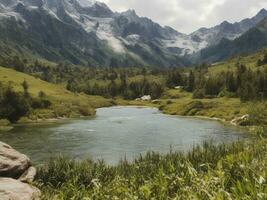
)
(228, 30)
(85, 32)
(92, 35)
(251, 41)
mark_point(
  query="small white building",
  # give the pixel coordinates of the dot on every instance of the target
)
(144, 98)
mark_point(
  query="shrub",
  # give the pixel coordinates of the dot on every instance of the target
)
(85, 111)
(41, 103)
(4, 122)
(169, 102)
(199, 94)
(193, 107)
(14, 105)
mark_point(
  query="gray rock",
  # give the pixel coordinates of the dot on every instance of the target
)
(11, 189)
(12, 163)
(28, 176)
(240, 121)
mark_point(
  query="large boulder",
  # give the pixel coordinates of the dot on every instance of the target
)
(11, 189)
(12, 163)
(28, 176)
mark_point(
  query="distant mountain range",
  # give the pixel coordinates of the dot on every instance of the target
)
(89, 33)
(251, 41)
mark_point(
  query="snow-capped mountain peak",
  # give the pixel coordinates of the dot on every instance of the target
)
(124, 33)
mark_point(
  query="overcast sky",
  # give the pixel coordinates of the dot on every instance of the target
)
(188, 15)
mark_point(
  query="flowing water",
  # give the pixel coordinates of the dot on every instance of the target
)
(116, 133)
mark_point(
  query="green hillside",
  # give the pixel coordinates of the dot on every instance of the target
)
(64, 102)
(249, 60)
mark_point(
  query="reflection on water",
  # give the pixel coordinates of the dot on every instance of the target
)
(117, 132)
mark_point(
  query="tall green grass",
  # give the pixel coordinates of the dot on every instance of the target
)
(234, 171)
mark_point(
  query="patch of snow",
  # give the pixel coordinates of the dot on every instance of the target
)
(52, 13)
(104, 31)
(9, 14)
(187, 45)
(89, 25)
(86, 3)
(133, 39)
(101, 26)
(32, 7)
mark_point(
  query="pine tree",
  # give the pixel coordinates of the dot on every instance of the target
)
(25, 88)
(230, 82)
(191, 82)
(112, 89)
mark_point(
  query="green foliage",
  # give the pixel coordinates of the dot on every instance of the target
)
(199, 94)
(191, 82)
(4, 122)
(258, 114)
(236, 171)
(263, 61)
(14, 105)
(193, 107)
(243, 83)
(130, 83)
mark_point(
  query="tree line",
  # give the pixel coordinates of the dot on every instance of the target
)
(131, 83)
(243, 82)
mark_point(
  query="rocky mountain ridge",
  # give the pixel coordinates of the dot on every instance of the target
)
(90, 33)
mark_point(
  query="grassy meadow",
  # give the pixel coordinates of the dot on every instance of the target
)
(64, 103)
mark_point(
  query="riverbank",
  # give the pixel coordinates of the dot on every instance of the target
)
(224, 110)
(5, 125)
(233, 171)
(118, 132)
(66, 104)
(172, 102)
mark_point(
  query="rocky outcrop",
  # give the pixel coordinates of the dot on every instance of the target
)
(12, 163)
(12, 189)
(15, 172)
(28, 176)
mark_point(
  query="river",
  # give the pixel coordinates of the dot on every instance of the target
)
(116, 133)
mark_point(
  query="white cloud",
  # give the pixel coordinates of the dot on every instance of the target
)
(189, 15)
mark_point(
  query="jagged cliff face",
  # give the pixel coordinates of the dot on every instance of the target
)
(88, 32)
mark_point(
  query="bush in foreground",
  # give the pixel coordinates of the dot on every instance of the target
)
(236, 171)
